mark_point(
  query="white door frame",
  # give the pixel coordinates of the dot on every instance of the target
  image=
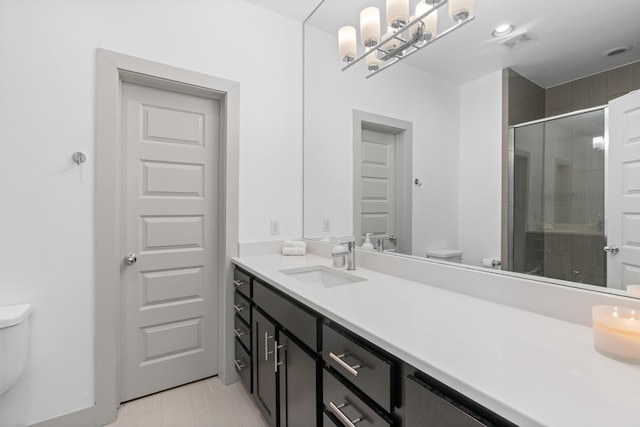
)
(404, 165)
(112, 69)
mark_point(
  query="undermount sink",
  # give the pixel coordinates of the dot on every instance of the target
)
(323, 276)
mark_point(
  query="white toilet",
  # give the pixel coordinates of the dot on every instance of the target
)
(14, 343)
(451, 255)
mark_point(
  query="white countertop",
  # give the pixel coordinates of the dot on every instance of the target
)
(531, 369)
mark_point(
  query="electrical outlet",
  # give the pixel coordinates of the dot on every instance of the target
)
(275, 227)
(326, 225)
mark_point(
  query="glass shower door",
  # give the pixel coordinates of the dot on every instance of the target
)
(558, 198)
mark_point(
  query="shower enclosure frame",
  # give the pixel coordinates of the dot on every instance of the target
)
(511, 174)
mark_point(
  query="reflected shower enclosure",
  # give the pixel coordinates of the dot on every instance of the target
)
(556, 211)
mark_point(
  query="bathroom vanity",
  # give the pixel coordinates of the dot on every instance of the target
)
(338, 349)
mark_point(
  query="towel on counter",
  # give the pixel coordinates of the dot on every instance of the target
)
(294, 244)
(298, 251)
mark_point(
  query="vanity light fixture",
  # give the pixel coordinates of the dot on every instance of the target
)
(405, 34)
(502, 30)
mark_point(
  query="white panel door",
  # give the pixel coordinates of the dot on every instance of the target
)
(623, 191)
(377, 185)
(169, 319)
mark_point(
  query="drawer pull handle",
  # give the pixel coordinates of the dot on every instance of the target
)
(337, 410)
(239, 283)
(276, 347)
(266, 346)
(352, 369)
(240, 332)
(240, 364)
(238, 307)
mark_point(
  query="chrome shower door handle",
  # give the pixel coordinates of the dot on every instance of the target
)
(130, 259)
(613, 249)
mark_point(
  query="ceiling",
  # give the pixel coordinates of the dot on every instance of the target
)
(570, 36)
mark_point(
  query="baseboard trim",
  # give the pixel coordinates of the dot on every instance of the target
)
(80, 418)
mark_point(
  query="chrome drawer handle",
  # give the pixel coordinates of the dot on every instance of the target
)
(240, 332)
(239, 283)
(337, 410)
(351, 368)
(238, 307)
(276, 347)
(266, 346)
(240, 364)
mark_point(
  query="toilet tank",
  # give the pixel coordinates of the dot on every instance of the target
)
(14, 343)
(451, 255)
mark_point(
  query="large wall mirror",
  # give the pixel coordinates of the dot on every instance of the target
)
(489, 151)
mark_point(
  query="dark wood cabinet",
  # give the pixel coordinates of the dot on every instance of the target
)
(298, 382)
(429, 403)
(284, 358)
(264, 386)
(304, 370)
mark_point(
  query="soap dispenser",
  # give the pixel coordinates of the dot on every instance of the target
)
(367, 242)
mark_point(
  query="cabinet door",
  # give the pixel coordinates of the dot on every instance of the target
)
(264, 374)
(297, 376)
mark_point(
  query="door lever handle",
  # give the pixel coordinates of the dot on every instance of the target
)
(613, 249)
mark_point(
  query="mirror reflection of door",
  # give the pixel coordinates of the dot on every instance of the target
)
(378, 188)
(382, 176)
(623, 192)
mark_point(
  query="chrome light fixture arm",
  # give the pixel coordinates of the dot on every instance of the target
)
(409, 43)
(420, 46)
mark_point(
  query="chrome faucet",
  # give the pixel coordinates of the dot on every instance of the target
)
(351, 256)
(349, 252)
(380, 242)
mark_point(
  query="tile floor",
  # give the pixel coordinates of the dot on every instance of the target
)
(201, 404)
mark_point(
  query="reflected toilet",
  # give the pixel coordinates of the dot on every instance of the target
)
(451, 255)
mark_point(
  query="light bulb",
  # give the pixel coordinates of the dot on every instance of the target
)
(397, 13)
(347, 43)
(372, 62)
(459, 10)
(430, 22)
(370, 26)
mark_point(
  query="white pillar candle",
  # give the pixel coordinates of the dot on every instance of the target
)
(372, 62)
(370, 26)
(616, 332)
(347, 43)
(633, 290)
(397, 13)
(459, 10)
(430, 22)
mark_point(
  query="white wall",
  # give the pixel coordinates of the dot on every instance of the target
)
(401, 92)
(480, 168)
(47, 98)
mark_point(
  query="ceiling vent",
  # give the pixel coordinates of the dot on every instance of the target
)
(516, 42)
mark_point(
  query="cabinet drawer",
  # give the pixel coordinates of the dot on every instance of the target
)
(372, 373)
(242, 306)
(242, 331)
(300, 322)
(431, 403)
(242, 362)
(242, 282)
(344, 404)
(426, 407)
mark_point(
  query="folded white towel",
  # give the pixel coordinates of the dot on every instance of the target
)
(294, 244)
(294, 251)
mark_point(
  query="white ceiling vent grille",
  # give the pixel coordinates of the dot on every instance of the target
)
(516, 42)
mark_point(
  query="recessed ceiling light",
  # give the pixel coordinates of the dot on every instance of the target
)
(617, 51)
(502, 30)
